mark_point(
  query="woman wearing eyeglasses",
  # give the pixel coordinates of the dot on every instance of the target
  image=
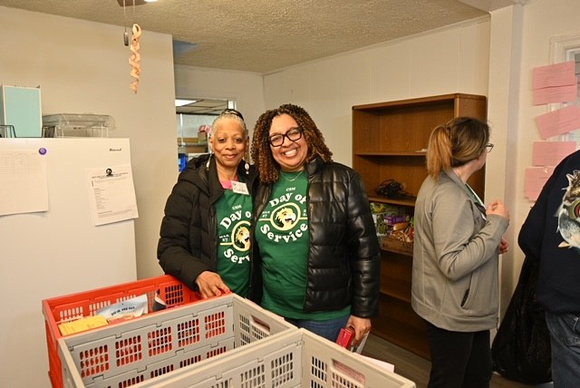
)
(457, 242)
(314, 230)
(205, 234)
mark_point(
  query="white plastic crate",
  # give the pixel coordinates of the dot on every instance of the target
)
(125, 354)
(292, 359)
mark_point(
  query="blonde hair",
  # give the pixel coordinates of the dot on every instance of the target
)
(456, 143)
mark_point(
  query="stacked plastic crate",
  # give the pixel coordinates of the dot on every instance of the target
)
(69, 308)
(226, 341)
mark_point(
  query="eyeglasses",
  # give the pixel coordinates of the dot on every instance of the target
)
(489, 147)
(293, 134)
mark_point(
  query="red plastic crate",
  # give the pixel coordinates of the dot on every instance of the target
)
(143, 349)
(75, 306)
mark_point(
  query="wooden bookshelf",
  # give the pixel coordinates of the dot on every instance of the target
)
(389, 142)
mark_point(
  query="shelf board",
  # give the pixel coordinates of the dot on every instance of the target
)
(421, 153)
(398, 252)
(374, 198)
(420, 102)
(397, 289)
(396, 246)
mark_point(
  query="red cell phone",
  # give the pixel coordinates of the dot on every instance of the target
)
(346, 337)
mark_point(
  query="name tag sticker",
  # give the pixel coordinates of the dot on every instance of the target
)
(240, 188)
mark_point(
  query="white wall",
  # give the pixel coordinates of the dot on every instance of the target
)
(245, 88)
(449, 60)
(83, 67)
(504, 69)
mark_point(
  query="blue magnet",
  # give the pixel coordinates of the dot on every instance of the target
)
(42, 151)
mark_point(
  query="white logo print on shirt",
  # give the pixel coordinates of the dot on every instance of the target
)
(284, 222)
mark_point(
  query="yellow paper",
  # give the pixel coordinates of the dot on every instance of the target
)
(82, 324)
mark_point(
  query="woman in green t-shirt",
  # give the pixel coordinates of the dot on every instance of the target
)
(205, 233)
(316, 242)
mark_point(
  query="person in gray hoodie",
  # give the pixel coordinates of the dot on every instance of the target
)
(456, 247)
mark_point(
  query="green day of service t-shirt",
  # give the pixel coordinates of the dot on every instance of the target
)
(282, 234)
(234, 213)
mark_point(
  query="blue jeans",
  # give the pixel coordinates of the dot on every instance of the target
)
(329, 329)
(565, 342)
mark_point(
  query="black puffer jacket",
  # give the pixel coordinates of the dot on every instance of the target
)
(343, 257)
(188, 236)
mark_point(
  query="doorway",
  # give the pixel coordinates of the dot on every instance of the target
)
(194, 119)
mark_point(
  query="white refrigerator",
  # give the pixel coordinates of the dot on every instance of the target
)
(59, 251)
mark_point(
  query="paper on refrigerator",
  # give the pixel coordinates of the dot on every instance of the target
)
(112, 194)
(23, 181)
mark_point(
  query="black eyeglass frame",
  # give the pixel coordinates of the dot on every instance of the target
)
(278, 139)
(489, 147)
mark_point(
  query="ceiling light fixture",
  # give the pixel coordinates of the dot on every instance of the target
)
(123, 3)
(181, 102)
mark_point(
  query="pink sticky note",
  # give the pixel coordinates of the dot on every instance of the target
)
(559, 74)
(534, 180)
(555, 94)
(559, 121)
(550, 153)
